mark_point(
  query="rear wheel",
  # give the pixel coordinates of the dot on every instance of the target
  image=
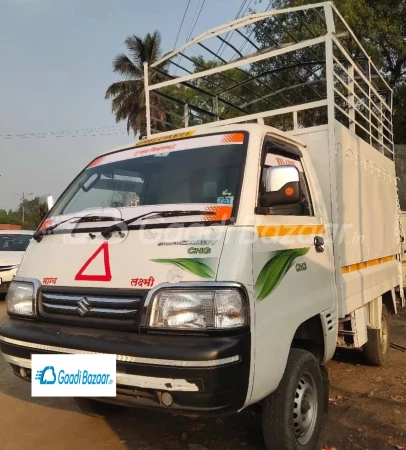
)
(376, 350)
(292, 415)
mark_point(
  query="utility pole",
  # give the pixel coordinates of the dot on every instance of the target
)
(23, 197)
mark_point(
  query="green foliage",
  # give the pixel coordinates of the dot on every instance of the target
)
(128, 95)
(381, 27)
(10, 217)
(31, 215)
(275, 269)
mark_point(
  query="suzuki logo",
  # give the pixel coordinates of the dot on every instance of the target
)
(83, 307)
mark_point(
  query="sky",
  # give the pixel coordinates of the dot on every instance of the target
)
(56, 64)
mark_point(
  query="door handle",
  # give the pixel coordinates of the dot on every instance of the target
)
(319, 244)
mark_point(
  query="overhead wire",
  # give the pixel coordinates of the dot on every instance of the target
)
(197, 19)
(181, 23)
(192, 27)
(222, 45)
(252, 32)
(110, 130)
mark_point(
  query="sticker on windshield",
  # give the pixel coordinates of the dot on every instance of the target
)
(169, 147)
(277, 160)
(226, 198)
(172, 137)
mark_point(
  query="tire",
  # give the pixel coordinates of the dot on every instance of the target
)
(376, 350)
(95, 408)
(301, 388)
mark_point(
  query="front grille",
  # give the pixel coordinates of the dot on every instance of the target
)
(89, 309)
(7, 268)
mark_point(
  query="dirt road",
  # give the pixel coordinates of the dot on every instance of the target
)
(368, 411)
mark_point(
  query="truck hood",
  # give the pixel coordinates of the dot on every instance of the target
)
(10, 258)
(138, 259)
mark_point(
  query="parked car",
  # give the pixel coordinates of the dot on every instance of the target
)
(13, 244)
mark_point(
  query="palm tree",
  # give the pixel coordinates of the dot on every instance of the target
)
(129, 95)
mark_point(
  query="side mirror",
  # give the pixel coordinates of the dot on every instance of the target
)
(282, 186)
(46, 202)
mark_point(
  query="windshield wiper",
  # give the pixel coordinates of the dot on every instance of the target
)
(153, 215)
(82, 219)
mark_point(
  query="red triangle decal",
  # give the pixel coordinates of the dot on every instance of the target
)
(106, 276)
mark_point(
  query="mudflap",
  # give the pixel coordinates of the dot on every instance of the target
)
(326, 385)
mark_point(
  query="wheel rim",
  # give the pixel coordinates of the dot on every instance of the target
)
(384, 335)
(305, 408)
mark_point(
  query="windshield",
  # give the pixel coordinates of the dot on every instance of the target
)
(14, 242)
(202, 170)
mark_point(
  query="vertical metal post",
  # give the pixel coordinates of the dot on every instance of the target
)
(332, 145)
(370, 103)
(23, 196)
(295, 121)
(330, 67)
(351, 96)
(392, 146)
(328, 10)
(216, 107)
(147, 100)
(186, 115)
(380, 128)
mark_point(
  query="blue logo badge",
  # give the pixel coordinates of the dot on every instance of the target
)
(46, 376)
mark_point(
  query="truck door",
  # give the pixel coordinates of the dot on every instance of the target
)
(293, 264)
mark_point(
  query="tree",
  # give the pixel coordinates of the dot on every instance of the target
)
(381, 27)
(31, 212)
(128, 95)
(10, 217)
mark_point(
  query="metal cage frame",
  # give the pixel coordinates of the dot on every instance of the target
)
(352, 91)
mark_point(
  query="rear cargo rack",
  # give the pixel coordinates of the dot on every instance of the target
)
(290, 68)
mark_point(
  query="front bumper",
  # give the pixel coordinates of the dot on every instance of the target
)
(206, 375)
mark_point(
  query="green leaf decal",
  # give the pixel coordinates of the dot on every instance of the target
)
(275, 269)
(192, 265)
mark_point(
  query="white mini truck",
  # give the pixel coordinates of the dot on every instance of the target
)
(13, 244)
(224, 263)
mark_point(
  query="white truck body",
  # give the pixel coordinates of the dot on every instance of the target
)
(300, 278)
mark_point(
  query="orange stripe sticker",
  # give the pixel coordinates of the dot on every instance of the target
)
(47, 223)
(221, 213)
(289, 230)
(366, 264)
(96, 162)
(236, 138)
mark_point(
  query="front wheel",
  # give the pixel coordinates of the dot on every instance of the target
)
(376, 350)
(292, 415)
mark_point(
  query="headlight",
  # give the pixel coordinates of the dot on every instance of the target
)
(20, 299)
(198, 309)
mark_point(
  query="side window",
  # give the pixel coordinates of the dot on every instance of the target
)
(277, 157)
